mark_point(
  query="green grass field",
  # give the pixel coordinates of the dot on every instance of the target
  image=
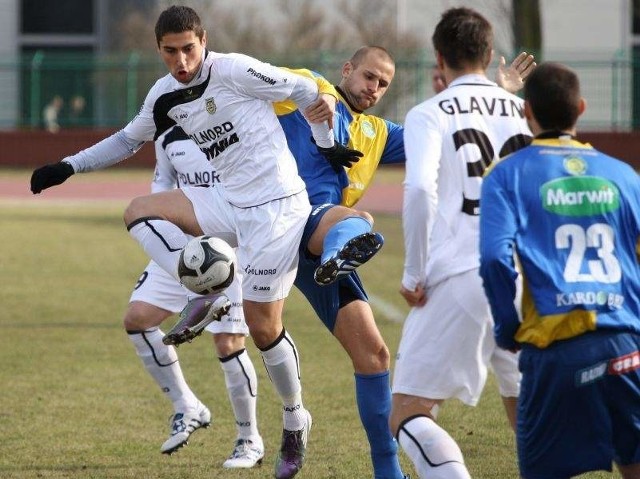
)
(77, 403)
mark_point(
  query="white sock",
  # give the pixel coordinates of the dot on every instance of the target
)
(242, 387)
(161, 240)
(161, 362)
(433, 452)
(281, 361)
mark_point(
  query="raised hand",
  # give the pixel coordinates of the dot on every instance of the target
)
(512, 78)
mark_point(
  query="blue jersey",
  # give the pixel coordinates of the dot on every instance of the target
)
(379, 140)
(567, 217)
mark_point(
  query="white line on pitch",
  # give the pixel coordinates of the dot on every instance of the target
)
(386, 309)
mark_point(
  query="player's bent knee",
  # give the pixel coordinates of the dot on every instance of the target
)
(137, 208)
(383, 358)
(373, 361)
(367, 216)
(141, 316)
(227, 343)
(405, 406)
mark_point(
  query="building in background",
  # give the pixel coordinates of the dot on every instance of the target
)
(67, 48)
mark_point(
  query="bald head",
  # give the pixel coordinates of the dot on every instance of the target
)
(367, 76)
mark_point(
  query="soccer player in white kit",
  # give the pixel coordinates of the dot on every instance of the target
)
(224, 103)
(447, 340)
(179, 163)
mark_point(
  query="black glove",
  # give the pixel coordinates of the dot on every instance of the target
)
(50, 175)
(340, 156)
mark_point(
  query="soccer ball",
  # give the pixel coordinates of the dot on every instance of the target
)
(207, 265)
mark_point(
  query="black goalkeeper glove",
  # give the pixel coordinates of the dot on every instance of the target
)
(50, 175)
(340, 157)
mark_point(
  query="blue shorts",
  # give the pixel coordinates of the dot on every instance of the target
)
(325, 300)
(579, 405)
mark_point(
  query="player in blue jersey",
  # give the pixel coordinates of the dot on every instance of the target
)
(335, 230)
(341, 302)
(569, 217)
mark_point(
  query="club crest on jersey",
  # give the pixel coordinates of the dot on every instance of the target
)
(574, 165)
(368, 130)
(210, 105)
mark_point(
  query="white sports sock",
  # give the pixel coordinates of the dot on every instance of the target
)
(161, 362)
(161, 240)
(242, 387)
(433, 452)
(281, 361)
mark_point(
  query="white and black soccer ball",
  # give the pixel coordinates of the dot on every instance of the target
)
(207, 265)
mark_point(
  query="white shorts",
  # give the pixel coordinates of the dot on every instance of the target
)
(159, 288)
(448, 345)
(267, 237)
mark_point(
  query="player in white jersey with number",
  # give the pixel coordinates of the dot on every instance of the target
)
(224, 103)
(179, 163)
(447, 342)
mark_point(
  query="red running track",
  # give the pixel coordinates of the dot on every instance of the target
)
(378, 199)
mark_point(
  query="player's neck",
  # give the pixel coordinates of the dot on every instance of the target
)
(452, 75)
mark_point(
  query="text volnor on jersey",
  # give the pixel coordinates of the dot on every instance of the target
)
(211, 134)
(482, 106)
(199, 178)
(580, 196)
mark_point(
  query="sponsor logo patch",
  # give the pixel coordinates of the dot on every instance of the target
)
(261, 76)
(591, 374)
(590, 298)
(625, 364)
(580, 196)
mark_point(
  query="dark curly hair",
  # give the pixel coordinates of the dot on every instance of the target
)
(464, 38)
(178, 19)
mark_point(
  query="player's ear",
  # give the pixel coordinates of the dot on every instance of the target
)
(203, 42)
(582, 106)
(440, 61)
(347, 68)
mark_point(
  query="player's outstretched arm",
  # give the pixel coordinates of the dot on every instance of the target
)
(512, 78)
(50, 175)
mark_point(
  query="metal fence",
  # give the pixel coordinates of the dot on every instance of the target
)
(112, 87)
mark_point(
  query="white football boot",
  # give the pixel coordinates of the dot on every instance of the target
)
(183, 424)
(246, 454)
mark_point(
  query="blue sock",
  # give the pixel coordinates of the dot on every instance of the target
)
(373, 395)
(341, 232)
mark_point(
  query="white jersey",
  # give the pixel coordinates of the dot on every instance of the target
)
(180, 163)
(450, 140)
(227, 110)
